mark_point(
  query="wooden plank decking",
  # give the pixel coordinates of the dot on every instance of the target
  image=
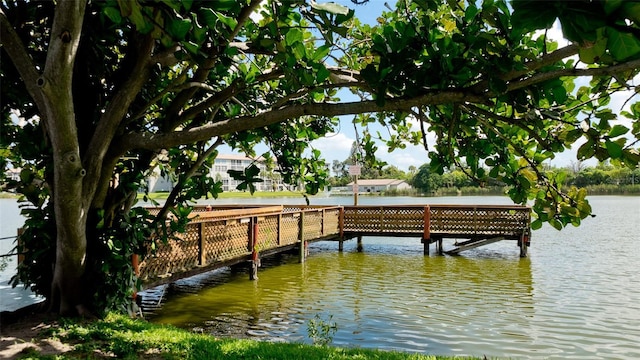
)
(226, 235)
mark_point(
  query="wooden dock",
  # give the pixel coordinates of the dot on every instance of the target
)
(227, 235)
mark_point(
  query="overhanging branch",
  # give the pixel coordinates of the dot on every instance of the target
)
(158, 141)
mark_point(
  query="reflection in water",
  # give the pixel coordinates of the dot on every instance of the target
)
(388, 297)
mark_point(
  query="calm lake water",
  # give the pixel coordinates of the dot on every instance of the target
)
(577, 295)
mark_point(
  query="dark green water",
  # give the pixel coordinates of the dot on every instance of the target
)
(576, 296)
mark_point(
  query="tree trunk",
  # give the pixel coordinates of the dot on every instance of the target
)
(69, 206)
(71, 221)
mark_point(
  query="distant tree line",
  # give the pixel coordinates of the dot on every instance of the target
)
(427, 181)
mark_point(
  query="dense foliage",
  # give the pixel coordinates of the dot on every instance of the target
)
(110, 91)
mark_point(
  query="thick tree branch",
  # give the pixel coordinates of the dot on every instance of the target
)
(227, 93)
(170, 202)
(173, 112)
(158, 141)
(114, 114)
(601, 71)
(531, 66)
(546, 60)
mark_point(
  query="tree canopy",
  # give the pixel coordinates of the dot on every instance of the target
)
(110, 90)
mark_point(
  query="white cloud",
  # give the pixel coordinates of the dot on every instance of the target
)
(335, 146)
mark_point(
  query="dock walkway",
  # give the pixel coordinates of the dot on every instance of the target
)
(228, 235)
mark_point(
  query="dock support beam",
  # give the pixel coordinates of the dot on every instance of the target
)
(360, 247)
(303, 243)
(426, 229)
(524, 244)
(255, 257)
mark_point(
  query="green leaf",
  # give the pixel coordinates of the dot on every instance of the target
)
(586, 151)
(330, 7)
(614, 149)
(623, 45)
(227, 20)
(321, 52)
(532, 15)
(209, 18)
(178, 28)
(618, 130)
(191, 46)
(113, 14)
(225, 5)
(631, 9)
(293, 36)
(536, 224)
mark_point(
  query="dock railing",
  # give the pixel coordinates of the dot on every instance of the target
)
(437, 220)
(224, 235)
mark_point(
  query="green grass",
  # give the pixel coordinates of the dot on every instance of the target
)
(7, 195)
(121, 337)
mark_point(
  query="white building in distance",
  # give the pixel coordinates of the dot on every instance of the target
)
(379, 185)
(272, 181)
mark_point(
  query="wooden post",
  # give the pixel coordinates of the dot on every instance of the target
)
(524, 239)
(279, 234)
(356, 189)
(426, 226)
(440, 251)
(135, 262)
(303, 249)
(255, 257)
(360, 247)
(201, 243)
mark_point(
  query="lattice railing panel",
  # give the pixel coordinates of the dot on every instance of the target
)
(175, 256)
(362, 219)
(385, 219)
(479, 221)
(403, 220)
(226, 240)
(331, 221)
(268, 233)
(289, 228)
(312, 225)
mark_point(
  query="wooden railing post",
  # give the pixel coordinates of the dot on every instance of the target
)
(341, 229)
(279, 230)
(426, 235)
(303, 247)
(255, 257)
(201, 243)
(135, 262)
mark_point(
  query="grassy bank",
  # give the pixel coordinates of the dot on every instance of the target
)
(121, 337)
(7, 195)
